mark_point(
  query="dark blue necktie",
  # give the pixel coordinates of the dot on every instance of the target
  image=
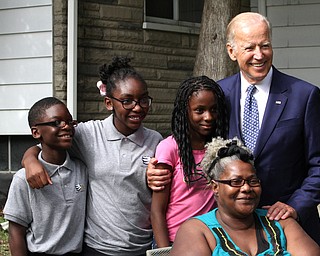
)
(250, 126)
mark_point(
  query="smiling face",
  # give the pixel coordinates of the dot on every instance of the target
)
(202, 113)
(237, 201)
(51, 136)
(127, 121)
(252, 49)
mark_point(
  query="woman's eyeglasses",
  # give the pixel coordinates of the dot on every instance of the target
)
(129, 104)
(59, 123)
(254, 182)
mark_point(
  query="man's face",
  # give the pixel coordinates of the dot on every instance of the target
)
(252, 50)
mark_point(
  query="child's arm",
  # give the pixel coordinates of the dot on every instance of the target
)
(160, 200)
(36, 175)
(17, 239)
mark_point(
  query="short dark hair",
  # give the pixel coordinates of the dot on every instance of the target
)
(37, 111)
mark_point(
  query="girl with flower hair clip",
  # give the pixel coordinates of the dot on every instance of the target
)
(114, 149)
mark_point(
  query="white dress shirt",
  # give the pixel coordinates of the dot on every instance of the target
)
(261, 94)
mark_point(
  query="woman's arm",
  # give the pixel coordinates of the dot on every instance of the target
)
(298, 241)
(193, 239)
(17, 239)
(36, 175)
(160, 200)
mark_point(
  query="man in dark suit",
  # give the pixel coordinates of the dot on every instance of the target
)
(287, 149)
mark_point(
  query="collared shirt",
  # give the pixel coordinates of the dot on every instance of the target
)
(119, 200)
(261, 94)
(55, 214)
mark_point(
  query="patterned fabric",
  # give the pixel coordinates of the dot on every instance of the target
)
(275, 243)
(250, 128)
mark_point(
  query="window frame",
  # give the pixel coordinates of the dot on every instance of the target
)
(170, 25)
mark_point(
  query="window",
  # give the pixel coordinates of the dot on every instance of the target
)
(12, 149)
(173, 15)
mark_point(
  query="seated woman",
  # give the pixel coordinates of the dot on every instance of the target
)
(236, 227)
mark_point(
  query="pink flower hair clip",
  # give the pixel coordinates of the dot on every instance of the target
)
(102, 87)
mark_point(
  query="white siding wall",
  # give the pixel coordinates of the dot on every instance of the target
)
(25, 60)
(296, 36)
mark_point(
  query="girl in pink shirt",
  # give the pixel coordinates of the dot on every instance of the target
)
(199, 114)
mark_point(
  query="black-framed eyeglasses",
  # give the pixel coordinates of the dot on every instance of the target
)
(129, 104)
(59, 123)
(254, 182)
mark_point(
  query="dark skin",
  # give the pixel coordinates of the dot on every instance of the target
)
(51, 153)
(235, 214)
(17, 239)
(126, 122)
(55, 141)
(252, 50)
(158, 178)
(201, 116)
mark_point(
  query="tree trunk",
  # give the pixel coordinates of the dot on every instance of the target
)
(212, 59)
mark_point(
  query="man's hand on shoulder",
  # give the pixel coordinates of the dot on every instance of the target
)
(281, 211)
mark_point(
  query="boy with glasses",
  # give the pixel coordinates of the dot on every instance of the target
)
(49, 221)
(115, 151)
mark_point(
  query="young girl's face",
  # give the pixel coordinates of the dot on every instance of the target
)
(127, 121)
(202, 113)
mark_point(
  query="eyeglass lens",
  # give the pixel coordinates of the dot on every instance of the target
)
(144, 103)
(59, 123)
(240, 182)
(131, 104)
(62, 124)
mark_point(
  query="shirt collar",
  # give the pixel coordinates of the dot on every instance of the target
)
(113, 134)
(263, 85)
(52, 168)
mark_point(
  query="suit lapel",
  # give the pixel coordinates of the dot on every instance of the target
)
(233, 97)
(275, 106)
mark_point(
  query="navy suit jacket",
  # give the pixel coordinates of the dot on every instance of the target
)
(287, 152)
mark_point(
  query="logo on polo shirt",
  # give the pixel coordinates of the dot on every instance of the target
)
(146, 159)
(80, 187)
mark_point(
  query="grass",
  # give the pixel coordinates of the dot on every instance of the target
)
(4, 246)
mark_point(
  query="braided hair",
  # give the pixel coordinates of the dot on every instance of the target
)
(220, 153)
(118, 70)
(180, 122)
